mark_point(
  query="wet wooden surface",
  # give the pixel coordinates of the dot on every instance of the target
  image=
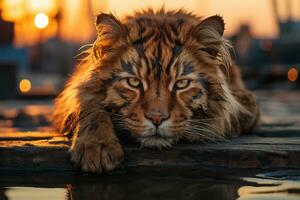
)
(27, 143)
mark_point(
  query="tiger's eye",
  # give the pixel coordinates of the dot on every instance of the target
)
(133, 82)
(181, 84)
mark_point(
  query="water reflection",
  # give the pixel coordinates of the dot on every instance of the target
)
(125, 190)
(2, 194)
(99, 189)
(32, 193)
(270, 189)
(154, 190)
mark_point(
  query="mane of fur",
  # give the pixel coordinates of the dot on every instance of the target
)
(84, 87)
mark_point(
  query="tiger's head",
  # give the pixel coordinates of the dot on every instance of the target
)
(164, 75)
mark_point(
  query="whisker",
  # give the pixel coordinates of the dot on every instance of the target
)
(206, 119)
(204, 136)
(203, 125)
(206, 126)
(203, 133)
(207, 132)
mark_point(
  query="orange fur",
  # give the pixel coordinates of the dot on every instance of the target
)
(186, 87)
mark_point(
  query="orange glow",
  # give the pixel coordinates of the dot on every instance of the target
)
(67, 17)
(25, 85)
(12, 10)
(22, 29)
(234, 12)
(292, 74)
(22, 13)
(44, 6)
(41, 20)
(268, 189)
(77, 18)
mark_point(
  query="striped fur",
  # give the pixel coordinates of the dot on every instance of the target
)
(157, 49)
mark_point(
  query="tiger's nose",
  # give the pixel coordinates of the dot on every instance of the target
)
(156, 118)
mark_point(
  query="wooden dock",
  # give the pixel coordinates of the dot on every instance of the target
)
(274, 145)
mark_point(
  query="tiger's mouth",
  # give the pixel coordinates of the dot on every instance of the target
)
(158, 141)
(157, 135)
(153, 137)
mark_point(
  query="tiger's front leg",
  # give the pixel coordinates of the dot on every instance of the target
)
(95, 146)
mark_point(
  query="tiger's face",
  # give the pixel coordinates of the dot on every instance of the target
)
(157, 99)
(163, 81)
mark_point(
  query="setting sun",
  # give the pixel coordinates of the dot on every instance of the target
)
(25, 85)
(41, 20)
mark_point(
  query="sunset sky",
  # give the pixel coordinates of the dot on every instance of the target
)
(77, 23)
(258, 13)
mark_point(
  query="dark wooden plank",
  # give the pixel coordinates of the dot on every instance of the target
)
(278, 131)
(249, 152)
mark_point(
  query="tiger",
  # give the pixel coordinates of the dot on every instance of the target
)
(158, 77)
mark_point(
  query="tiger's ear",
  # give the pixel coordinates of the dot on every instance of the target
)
(209, 32)
(215, 23)
(109, 24)
(109, 30)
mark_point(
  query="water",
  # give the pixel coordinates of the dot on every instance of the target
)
(280, 185)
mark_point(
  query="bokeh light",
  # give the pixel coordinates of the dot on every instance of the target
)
(25, 85)
(41, 20)
(292, 74)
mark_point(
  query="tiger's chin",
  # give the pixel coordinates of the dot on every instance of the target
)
(158, 141)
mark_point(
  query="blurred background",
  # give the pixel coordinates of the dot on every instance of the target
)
(39, 39)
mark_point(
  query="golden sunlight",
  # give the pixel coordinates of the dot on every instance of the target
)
(235, 12)
(25, 85)
(64, 17)
(12, 10)
(272, 190)
(41, 20)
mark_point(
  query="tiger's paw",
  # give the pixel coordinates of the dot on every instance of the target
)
(97, 157)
